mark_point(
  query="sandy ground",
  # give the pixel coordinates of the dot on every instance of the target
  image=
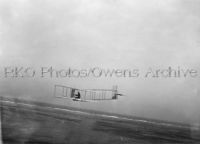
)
(34, 123)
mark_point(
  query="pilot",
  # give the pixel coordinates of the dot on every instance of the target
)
(78, 95)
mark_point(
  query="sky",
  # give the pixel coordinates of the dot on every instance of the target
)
(109, 34)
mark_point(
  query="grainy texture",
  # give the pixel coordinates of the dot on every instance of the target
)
(43, 124)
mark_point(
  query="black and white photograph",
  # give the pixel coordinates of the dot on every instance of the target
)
(99, 71)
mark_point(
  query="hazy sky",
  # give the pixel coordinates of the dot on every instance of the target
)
(107, 34)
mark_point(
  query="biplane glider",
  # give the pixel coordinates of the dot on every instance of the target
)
(86, 95)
